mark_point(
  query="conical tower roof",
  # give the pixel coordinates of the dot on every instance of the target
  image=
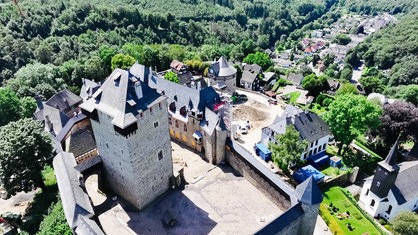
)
(225, 69)
(308, 192)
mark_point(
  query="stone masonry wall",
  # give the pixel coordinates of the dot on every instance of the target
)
(255, 178)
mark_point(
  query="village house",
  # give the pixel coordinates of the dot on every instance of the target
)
(295, 78)
(392, 189)
(310, 126)
(251, 77)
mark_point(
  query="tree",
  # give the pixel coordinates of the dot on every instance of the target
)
(406, 223)
(314, 84)
(342, 39)
(9, 106)
(171, 76)
(347, 88)
(27, 107)
(36, 78)
(25, 147)
(346, 73)
(372, 84)
(350, 116)
(399, 117)
(54, 222)
(259, 58)
(122, 61)
(288, 149)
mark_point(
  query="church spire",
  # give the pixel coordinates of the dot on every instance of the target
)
(393, 153)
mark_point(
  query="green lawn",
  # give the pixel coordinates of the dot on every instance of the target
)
(318, 109)
(366, 149)
(338, 211)
(293, 96)
(332, 171)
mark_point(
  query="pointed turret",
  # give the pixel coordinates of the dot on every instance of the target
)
(308, 192)
(386, 173)
(393, 154)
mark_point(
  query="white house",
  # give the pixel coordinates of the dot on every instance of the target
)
(392, 189)
(310, 126)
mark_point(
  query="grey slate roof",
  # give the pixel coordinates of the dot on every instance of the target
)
(310, 126)
(88, 88)
(268, 76)
(63, 100)
(222, 68)
(390, 160)
(407, 181)
(295, 78)
(81, 142)
(210, 121)
(251, 72)
(308, 192)
(88, 227)
(75, 201)
(123, 95)
(288, 218)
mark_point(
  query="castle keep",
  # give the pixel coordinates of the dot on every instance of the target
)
(130, 124)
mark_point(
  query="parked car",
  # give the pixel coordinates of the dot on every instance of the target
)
(243, 130)
(273, 102)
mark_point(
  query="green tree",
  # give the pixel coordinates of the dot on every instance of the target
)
(171, 76)
(372, 84)
(27, 107)
(342, 39)
(347, 88)
(122, 61)
(288, 149)
(25, 147)
(346, 73)
(350, 116)
(314, 84)
(406, 223)
(9, 106)
(54, 222)
(259, 58)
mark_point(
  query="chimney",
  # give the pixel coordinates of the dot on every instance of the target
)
(39, 103)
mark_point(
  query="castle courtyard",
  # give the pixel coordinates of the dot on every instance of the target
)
(213, 201)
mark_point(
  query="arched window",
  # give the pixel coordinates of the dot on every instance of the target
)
(185, 128)
(372, 203)
(169, 121)
(177, 124)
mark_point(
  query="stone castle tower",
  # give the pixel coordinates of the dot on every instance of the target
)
(130, 124)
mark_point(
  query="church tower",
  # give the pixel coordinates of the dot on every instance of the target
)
(386, 173)
(130, 124)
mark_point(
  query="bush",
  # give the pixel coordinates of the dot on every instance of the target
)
(335, 228)
(383, 221)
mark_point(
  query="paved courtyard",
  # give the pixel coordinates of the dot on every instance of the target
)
(214, 201)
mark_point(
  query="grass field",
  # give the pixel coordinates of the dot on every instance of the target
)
(341, 214)
(294, 96)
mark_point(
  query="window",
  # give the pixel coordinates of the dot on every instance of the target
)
(141, 115)
(150, 110)
(377, 183)
(389, 209)
(323, 146)
(185, 128)
(169, 121)
(160, 155)
(155, 124)
(372, 203)
(177, 124)
(316, 142)
(367, 192)
(160, 106)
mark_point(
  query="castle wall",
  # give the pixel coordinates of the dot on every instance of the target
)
(273, 192)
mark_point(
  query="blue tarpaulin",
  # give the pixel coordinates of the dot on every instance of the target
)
(319, 160)
(305, 172)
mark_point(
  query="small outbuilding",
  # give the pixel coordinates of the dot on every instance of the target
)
(262, 151)
(335, 161)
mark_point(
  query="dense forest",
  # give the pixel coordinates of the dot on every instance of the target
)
(47, 45)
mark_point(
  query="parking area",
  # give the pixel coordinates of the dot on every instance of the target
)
(214, 201)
